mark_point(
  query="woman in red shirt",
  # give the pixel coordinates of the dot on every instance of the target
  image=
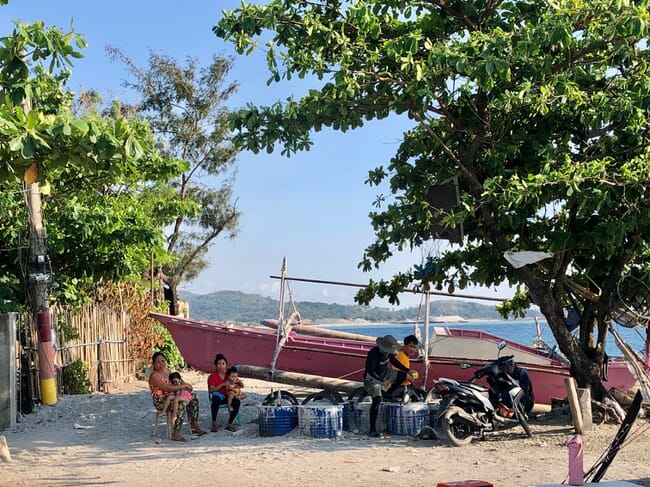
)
(217, 388)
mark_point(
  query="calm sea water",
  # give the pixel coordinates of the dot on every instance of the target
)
(522, 331)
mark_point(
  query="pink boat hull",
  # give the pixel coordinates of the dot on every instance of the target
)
(200, 341)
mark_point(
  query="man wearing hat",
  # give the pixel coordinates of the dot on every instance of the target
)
(378, 376)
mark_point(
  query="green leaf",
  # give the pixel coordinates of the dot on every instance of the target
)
(16, 143)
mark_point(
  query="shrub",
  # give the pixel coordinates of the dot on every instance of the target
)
(75, 378)
(174, 358)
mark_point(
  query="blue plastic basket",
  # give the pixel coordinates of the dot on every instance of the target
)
(321, 421)
(277, 420)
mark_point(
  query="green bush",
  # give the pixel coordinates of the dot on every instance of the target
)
(75, 378)
(174, 358)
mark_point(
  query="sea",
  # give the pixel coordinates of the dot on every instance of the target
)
(522, 331)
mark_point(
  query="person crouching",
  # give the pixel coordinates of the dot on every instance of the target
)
(378, 377)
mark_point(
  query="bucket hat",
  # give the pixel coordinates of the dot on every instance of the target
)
(388, 344)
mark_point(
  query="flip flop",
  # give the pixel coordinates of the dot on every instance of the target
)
(199, 432)
(182, 439)
(231, 428)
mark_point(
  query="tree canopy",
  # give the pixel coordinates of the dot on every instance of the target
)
(538, 109)
(96, 171)
(185, 105)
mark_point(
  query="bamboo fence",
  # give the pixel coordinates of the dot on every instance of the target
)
(103, 343)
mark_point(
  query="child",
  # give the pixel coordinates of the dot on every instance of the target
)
(175, 397)
(233, 386)
(404, 379)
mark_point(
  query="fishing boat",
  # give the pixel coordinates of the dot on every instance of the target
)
(453, 353)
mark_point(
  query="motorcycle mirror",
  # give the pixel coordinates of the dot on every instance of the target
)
(465, 365)
(501, 345)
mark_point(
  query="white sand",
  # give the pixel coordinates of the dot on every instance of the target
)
(115, 447)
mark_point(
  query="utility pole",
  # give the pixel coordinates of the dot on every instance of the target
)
(40, 278)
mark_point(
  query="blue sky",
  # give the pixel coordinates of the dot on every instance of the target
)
(312, 208)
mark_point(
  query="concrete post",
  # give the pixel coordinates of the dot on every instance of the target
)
(584, 398)
(8, 370)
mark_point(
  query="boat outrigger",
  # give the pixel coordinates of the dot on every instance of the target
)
(450, 350)
(290, 346)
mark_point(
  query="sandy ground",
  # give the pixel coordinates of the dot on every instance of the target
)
(106, 439)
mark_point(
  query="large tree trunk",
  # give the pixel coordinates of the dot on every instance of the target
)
(586, 363)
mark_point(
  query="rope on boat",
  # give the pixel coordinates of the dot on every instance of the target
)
(284, 325)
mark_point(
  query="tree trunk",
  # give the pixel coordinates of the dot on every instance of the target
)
(586, 364)
(171, 296)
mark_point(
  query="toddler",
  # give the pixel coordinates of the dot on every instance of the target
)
(175, 397)
(233, 386)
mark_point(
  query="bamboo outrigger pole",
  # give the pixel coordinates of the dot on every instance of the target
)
(436, 293)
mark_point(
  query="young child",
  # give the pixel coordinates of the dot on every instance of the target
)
(233, 386)
(175, 397)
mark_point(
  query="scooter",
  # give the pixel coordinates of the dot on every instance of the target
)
(469, 410)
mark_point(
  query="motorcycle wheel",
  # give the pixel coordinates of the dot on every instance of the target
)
(521, 416)
(458, 431)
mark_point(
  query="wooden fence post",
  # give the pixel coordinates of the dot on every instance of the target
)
(572, 395)
(584, 397)
(99, 366)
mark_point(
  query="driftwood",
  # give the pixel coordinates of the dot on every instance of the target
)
(293, 378)
(623, 398)
(600, 413)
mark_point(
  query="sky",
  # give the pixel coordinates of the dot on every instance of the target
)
(311, 208)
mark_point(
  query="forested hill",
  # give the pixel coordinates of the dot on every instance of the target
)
(240, 307)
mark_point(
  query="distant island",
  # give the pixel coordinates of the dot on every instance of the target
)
(238, 307)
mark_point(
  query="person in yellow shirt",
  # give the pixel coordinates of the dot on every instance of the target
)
(409, 349)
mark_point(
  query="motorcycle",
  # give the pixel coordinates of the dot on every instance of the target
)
(469, 410)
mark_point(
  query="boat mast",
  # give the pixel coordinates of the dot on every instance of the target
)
(281, 335)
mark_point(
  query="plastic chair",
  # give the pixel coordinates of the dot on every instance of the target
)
(237, 419)
(157, 415)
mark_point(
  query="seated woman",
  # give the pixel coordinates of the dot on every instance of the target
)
(218, 390)
(161, 386)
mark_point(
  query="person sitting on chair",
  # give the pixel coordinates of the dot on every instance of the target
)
(161, 386)
(218, 390)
